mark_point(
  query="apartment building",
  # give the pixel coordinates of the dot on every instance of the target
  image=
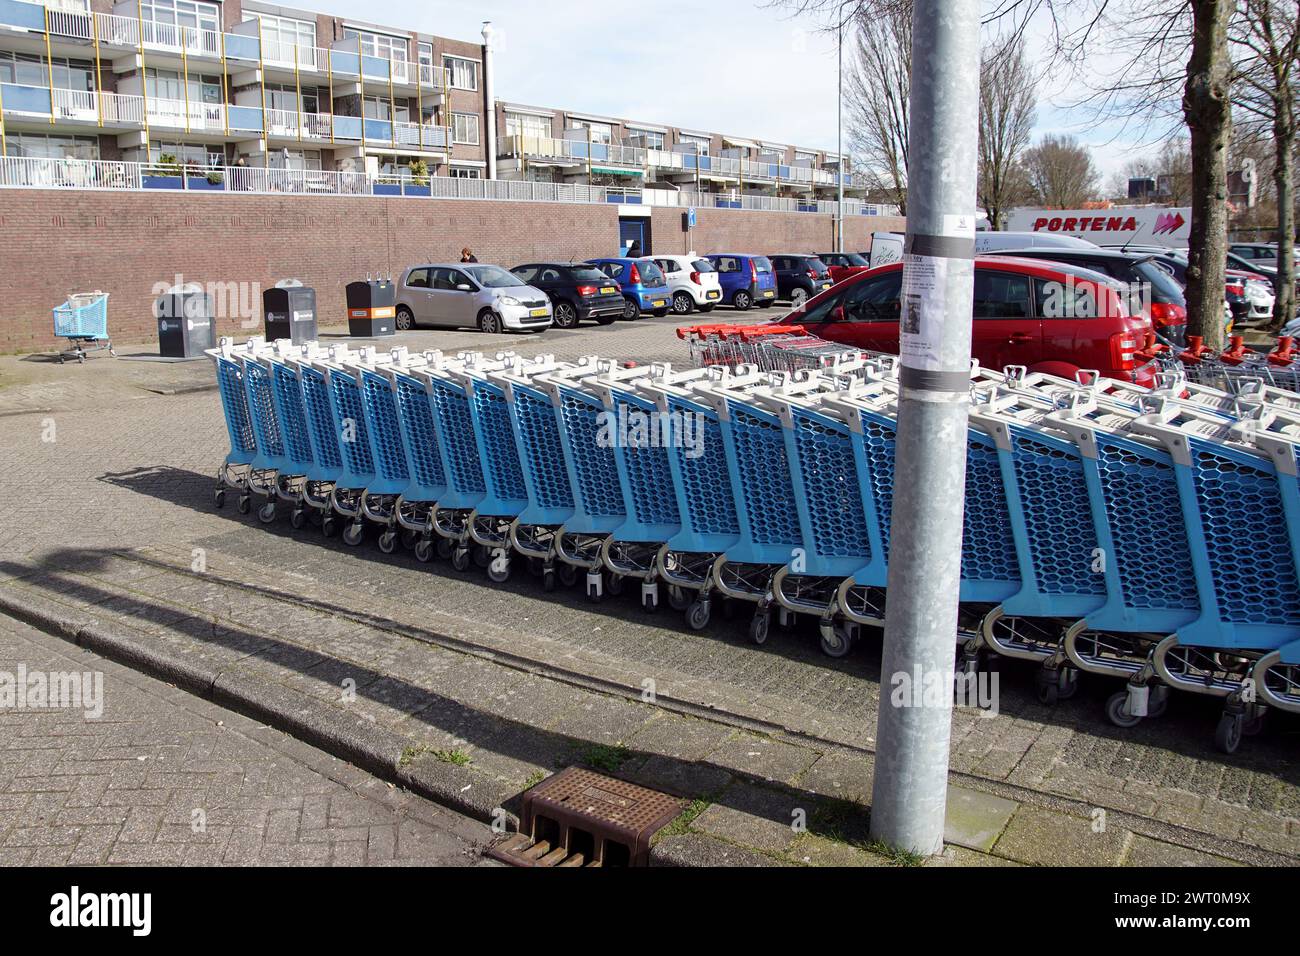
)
(208, 83)
(563, 146)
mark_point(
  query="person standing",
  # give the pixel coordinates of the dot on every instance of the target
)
(467, 256)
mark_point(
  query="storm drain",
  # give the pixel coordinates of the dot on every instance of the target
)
(582, 818)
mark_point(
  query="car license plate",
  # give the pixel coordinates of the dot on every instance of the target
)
(769, 294)
(538, 313)
(609, 291)
(715, 294)
(658, 303)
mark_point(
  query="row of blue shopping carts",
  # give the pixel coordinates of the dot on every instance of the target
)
(1148, 535)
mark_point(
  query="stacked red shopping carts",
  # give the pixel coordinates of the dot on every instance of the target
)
(769, 348)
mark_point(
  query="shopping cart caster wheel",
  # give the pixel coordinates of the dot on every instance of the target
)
(1254, 726)
(388, 542)
(698, 614)
(410, 538)
(498, 571)
(353, 534)
(245, 504)
(785, 618)
(220, 497)
(1049, 685)
(568, 575)
(1227, 736)
(329, 526)
(835, 640)
(424, 550)
(1158, 703)
(482, 556)
(678, 599)
(1117, 711)
(1068, 685)
(81, 360)
(460, 559)
(266, 513)
(298, 519)
(548, 581)
(615, 584)
(759, 628)
(595, 586)
(649, 596)
(442, 548)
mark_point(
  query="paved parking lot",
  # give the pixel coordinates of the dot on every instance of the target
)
(109, 487)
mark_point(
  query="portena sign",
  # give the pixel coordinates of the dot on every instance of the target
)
(1150, 225)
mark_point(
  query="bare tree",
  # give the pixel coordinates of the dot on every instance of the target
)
(1007, 101)
(877, 96)
(1061, 172)
(1265, 35)
(1174, 171)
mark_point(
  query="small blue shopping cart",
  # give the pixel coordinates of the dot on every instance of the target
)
(83, 321)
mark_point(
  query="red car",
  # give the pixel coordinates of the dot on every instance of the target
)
(843, 264)
(1043, 315)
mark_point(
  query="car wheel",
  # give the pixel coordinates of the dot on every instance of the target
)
(798, 297)
(683, 303)
(405, 320)
(489, 322)
(566, 316)
(742, 301)
(631, 310)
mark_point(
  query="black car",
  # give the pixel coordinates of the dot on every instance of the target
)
(800, 277)
(1141, 275)
(577, 291)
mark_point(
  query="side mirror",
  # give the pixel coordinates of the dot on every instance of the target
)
(464, 287)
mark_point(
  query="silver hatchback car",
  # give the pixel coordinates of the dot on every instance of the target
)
(467, 294)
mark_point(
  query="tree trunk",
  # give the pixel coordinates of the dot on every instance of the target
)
(1283, 180)
(1209, 118)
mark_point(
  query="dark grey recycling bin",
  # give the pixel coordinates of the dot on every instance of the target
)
(290, 313)
(186, 325)
(372, 308)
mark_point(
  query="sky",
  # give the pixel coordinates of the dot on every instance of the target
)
(727, 66)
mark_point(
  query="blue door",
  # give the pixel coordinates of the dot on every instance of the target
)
(634, 230)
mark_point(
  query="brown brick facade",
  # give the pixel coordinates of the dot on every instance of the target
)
(128, 243)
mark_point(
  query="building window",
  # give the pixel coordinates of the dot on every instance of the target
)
(182, 13)
(701, 143)
(801, 157)
(294, 159)
(284, 39)
(526, 124)
(45, 146)
(600, 132)
(466, 172)
(648, 138)
(283, 96)
(464, 128)
(464, 73)
(378, 44)
(168, 85)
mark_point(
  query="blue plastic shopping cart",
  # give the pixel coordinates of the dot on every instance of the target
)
(83, 321)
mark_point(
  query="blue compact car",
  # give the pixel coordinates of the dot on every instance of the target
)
(644, 285)
(747, 280)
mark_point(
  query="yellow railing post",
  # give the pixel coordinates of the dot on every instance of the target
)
(297, 76)
(329, 69)
(392, 103)
(144, 73)
(185, 84)
(225, 89)
(49, 63)
(4, 142)
(261, 74)
(99, 78)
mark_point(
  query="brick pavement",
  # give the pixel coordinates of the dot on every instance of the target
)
(163, 777)
(134, 502)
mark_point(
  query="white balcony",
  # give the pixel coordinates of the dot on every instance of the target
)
(192, 116)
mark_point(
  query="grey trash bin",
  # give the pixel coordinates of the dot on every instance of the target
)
(290, 309)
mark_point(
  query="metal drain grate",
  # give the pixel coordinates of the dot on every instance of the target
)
(582, 818)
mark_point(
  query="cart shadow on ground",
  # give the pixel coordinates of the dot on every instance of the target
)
(1186, 730)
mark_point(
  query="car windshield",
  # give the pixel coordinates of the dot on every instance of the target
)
(588, 274)
(703, 265)
(1164, 288)
(761, 264)
(493, 277)
(650, 271)
(853, 259)
(817, 264)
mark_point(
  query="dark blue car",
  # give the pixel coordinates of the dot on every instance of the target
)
(746, 280)
(644, 285)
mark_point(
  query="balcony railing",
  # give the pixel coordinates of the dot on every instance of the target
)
(20, 172)
(194, 116)
(579, 151)
(76, 105)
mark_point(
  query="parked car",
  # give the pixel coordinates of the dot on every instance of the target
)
(800, 277)
(470, 294)
(576, 291)
(844, 264)
(1046, 316)
(1260, 253)
(989, 241)
(642, 282)
(1160, 296)
(1249, 295)
(692, 282)
(746, 280)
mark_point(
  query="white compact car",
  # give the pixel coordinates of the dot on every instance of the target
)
(692, 281)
